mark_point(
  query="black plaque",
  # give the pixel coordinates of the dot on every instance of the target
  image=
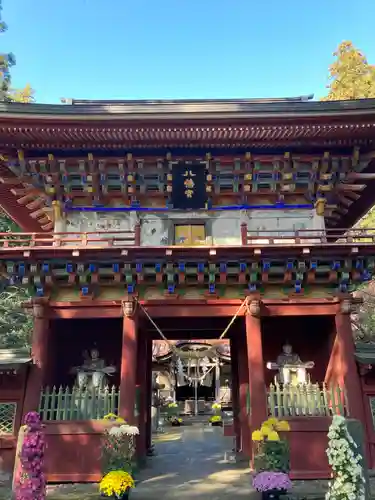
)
(189, 186)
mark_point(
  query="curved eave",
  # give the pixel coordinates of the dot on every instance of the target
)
(19, 214)
(229, 123)
(90, 136)
(25, 207)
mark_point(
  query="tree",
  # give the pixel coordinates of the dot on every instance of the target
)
(22, 95)
(6, 62)
(351, 76)
(8, 94)
(15, 324)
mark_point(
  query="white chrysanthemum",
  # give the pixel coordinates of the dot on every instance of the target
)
(115, 431)
(130, 430)
(348, 479)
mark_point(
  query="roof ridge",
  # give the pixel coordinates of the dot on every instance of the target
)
(260, 100)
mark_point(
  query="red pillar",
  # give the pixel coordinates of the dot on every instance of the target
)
(142, 388)
(128, 363)
(347, 372)
(149, 395)
(38, 371)
(258, 397)
(235, 392)
(243, 376)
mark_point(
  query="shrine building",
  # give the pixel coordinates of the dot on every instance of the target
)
(177, 239)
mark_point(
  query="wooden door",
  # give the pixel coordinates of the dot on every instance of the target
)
(190, 234)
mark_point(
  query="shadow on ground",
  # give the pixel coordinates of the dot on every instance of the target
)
(190, 464)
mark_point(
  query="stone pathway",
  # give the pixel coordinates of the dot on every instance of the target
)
(190, 464)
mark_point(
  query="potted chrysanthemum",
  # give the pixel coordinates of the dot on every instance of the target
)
(172, 410)
(116, 484)
(271, 459)
(216, 408)
(118, 461)
(216, 421)
(175, 421)
(348, 477)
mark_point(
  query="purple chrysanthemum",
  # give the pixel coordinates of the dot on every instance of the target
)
(31, 484)
(265, 481)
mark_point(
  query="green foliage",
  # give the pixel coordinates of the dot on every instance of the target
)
(15, 324)
(116, 453)
(8, 94)
(363, 322)
(273, 456)
(172, 410)
(6, 62)
(7, 225)
(351, 76)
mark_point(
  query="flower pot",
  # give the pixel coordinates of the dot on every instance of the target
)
(272, 494)
(125, 495)
(217, 424)
(175, 424)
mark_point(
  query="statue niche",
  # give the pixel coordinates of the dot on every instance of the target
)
(93, 373)
(290, 367)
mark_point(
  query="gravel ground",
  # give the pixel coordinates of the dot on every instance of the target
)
(309, 490)
(197, 453)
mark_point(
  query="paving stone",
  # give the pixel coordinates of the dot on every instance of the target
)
(191, 466)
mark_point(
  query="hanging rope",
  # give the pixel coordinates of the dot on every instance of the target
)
(172, 346)
(244, 303)
(202, 377)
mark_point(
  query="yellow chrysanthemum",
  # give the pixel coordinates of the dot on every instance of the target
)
(272, 421)
(110, 416)
(273, 436)
(215, 418)
(257, 436)
(116, 483)
(283, 426)
(265, 430)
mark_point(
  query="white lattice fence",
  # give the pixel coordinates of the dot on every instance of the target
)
(7, 417)
(306, 400)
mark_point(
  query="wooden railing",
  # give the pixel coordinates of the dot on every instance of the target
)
(307, 236)
(76, 404)
(119, 239)
(74, 240)
(306, 400)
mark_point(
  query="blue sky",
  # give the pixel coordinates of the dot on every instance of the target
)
(143, 49)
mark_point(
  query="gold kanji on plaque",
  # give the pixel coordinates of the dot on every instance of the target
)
(189, 183)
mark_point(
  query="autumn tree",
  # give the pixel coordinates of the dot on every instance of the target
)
(22, 95)
(7, 93)
(351, 76)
